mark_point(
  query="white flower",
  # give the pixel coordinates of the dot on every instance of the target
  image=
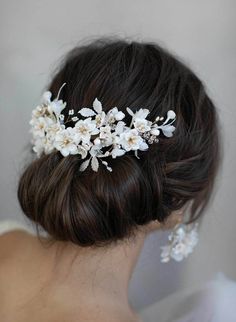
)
(140, 114)
(56, 106)
(54, 128)
(40, 125)
(114, 115)
(64, 142)
(131, 140)
(38, 111)
(142, 125)
(85, 128)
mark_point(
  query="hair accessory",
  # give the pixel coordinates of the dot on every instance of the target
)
(94, 132)
(182, 240)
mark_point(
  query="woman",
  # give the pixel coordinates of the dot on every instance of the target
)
(97, 213)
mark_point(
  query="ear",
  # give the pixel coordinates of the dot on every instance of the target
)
(174, 218)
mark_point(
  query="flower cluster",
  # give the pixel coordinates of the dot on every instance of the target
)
(182, 240)
(96, 130)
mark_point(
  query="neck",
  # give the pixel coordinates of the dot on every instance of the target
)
(97, 272)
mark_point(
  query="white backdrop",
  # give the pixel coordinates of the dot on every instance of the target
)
(34, 35)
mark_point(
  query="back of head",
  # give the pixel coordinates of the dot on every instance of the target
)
(96, 208)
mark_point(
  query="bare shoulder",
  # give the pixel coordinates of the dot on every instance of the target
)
(105, 314)
(110, 311)
(105, 318)
(13, 242)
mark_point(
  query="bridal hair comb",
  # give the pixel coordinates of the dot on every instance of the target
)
(94, 132)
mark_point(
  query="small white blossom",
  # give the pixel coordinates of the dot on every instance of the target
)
(131, 140)
(142, 125)
(114, 115)
(75, 118)
(64, 142)
(56, 107)
(141, 113)
(53, 129)
(40, 125)
(38, 111)
(85, 128)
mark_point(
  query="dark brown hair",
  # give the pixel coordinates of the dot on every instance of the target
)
(96, 208)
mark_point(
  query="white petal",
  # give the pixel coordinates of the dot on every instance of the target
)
(117, 152)
(165, 259)
(142, 113)
(57, 106)
(155, 131)
(136, 154)
(84, 165)
(86, 112)
(119, 127)
(94, 150)
(64, 152)
(73, 149)
(97, 141)
(171, 114)
(143, 146)
(129, 111)
(46, 97)
(94, 164)
(119, 116)
(97, 106)
(167, 130)
(82, 151)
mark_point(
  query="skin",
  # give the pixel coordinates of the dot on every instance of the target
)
(65, 282)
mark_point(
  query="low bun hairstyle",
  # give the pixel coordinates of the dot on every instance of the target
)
(97, 208)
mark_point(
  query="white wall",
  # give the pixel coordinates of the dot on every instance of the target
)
(34, 35)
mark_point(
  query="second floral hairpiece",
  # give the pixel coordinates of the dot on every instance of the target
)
(96, 131)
